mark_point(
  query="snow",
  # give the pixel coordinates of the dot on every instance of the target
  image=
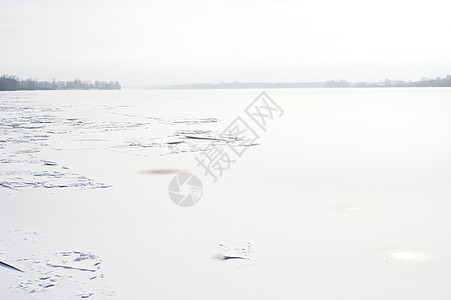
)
(346, 196)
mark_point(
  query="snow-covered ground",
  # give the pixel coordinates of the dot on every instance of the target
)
(345, 196)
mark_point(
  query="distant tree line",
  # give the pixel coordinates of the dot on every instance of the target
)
(12, 83)
(425, 82)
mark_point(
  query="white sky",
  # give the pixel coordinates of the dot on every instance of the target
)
(181, 41)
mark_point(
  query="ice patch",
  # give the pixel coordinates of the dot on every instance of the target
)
(49, 274)
(235, 250)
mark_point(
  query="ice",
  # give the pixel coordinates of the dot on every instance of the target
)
(48, 274)
(345, 197)
(32, 131)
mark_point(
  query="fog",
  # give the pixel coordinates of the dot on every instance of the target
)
(166, 42)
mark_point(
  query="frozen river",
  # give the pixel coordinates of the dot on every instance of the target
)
(346, 194)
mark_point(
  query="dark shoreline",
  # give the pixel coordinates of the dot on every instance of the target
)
(425, 82)
(12, 83)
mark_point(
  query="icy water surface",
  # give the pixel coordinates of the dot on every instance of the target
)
(35, 125)
(346, 196)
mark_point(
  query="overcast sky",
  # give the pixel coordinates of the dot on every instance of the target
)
(183, 41)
